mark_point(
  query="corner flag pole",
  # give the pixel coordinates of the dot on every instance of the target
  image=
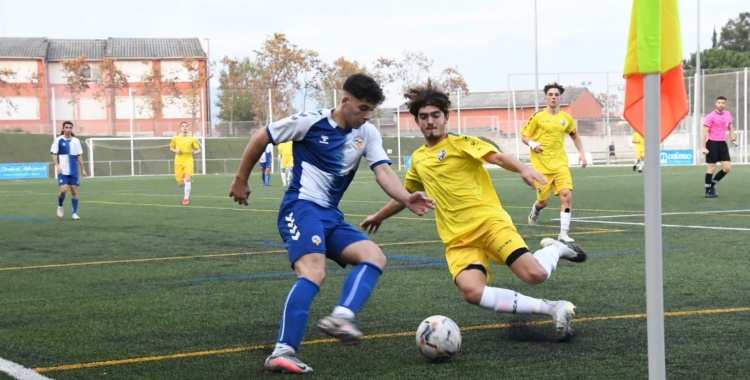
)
(652, 205)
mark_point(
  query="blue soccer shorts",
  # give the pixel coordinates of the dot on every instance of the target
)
(307, 228)
(63, 179)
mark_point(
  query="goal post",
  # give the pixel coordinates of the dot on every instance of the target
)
(137, 156)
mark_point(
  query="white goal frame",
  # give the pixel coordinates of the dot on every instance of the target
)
(91, 142)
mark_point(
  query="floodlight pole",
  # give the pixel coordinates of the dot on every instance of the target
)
(536, 65)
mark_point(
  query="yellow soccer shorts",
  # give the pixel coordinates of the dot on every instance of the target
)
(556, 181)
(287, 162)
(640, 154)
(496, 239)
(181, 168)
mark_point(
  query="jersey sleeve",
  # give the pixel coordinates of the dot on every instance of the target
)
(293, 128)
(571, 125)
(195, 143)
(412, 182)
(173, 143)
(473, 146)
(530, 127)
(707, 120)
(75, 147)
(374, 153)
(55, 148)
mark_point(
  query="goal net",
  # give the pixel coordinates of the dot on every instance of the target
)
(139, 156)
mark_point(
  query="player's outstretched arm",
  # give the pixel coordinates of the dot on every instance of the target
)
(373, 222)
(240, 189)
(388, 180)
(512, 164)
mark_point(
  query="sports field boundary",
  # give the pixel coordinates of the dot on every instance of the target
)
(116, 362)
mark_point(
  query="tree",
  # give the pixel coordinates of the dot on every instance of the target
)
(112, 80)
(415, 68)
(735, 35)
(732, 50)
(155, 85)
(76, 73)
(235, 100)
(7, 82)
(197, 80)
(611, 103)
(37, 82)
(332, 77)
(278, 65)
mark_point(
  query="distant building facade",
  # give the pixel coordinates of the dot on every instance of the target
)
(35, 94)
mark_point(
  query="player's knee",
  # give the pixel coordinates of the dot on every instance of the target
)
(726, 168)
(376, 258)
(533, 276)
(473, 294)
(541, 204)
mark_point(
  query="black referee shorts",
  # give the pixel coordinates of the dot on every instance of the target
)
(717, 151)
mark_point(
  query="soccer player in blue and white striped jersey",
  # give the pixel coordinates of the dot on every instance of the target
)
(67, 155)
(327, 148)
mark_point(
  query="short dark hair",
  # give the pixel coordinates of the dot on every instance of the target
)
(554, 85)
(184, 122)
(427, 95)
(721, 97)
(364, 88)
(67, 122)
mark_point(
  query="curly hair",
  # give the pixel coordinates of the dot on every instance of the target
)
(364, 88)
(554, 85)
(427, 95)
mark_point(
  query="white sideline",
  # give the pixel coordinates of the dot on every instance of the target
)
(583, 218)
(20, 372)
(665, 225)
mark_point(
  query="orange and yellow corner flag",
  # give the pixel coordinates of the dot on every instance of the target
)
(655, 47)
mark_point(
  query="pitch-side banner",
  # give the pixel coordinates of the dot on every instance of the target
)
(23, 171)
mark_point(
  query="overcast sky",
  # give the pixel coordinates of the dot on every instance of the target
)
(488, 41)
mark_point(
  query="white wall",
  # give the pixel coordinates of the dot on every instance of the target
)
(63, 109)
(56, 74)
(23, 69)
(175, 108)
(170, 69)
(19, 108)
(123, 108)
(92, 109)
(134, 70)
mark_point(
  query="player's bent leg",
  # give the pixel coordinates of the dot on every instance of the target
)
(310, 270)
(567, 250)
(533, 269)
(74, 201)
(368, 260)
(60, 199)
(188, 188)
(566, 203)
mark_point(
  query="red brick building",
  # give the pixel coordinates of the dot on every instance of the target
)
(34, 97)
(504, 111)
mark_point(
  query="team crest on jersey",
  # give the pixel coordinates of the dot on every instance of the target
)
(441, 155)
(539, 190)
(316, 240)
(358, 141)
(562, 122)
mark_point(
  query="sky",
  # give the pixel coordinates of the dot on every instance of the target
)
(490, 42)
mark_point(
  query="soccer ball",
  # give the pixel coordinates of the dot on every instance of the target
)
(438, 338)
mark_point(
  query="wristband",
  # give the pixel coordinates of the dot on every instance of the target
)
(533, 144)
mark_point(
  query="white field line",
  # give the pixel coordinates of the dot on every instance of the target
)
(20, 372)
(666, 225)
(582, 218)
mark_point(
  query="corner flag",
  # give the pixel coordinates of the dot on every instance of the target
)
(655, 47)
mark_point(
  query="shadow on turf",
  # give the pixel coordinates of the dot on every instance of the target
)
(523, 330)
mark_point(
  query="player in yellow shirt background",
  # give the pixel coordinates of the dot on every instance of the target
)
(545, 135)
(471, 221)
(640, 151)
(286, 160)
(184, 147)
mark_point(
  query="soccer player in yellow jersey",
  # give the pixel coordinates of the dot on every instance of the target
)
(545, 135)
(184, 147)
(287, 162)
(640, 151)
(471, 222)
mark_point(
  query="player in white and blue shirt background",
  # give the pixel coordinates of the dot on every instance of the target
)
(67, 155)
(265, 165)
(327, 148)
